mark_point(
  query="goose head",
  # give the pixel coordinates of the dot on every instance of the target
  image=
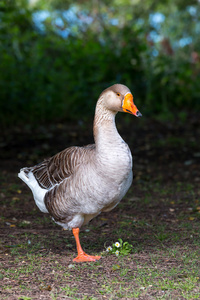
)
(118, 98)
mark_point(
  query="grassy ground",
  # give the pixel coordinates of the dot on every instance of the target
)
(159, 217)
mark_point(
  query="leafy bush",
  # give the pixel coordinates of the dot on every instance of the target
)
(44, 77)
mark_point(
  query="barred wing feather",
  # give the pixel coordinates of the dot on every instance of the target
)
(54, 170)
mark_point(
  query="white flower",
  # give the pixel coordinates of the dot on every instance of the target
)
(117, 244)
(109, 249)
(117, 253)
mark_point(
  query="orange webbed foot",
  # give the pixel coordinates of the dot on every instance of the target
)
(85, 257)
(82, 256)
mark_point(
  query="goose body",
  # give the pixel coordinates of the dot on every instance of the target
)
(78, 183)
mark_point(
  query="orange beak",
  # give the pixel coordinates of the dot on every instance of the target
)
(129, 107)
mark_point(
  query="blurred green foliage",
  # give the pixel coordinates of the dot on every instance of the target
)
(45, 77)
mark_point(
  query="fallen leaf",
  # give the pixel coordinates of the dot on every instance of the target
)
(188, 162)
(15, 198)
(26, 222)
(46, 288)
(71, 266)
(116, 267)
(197, 154)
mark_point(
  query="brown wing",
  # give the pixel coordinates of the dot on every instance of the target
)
(57, 168)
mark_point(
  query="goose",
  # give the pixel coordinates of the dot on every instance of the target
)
(79, 183)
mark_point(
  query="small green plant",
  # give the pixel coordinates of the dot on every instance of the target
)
(120, 248)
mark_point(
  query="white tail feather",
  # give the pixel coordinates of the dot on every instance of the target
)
(38, 192)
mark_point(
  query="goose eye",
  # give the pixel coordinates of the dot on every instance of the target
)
(118, 94)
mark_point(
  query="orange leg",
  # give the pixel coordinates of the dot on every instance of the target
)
(82, 256)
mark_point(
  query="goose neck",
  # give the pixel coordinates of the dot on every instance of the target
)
(105, 131)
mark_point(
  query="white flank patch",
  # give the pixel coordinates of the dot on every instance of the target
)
(38, 192)
(77, 221)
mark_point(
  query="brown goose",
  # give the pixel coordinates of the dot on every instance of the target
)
(79, 183)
